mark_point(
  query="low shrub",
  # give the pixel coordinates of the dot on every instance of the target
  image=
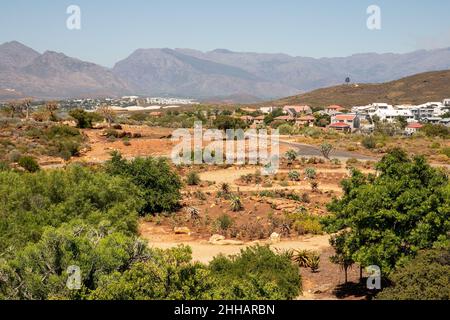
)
(193, 179)
(369, 142)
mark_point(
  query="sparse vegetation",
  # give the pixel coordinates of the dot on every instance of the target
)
(193, 179)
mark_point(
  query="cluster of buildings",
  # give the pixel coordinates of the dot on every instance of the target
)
(127, 103)
(414, 115)
(362, 118)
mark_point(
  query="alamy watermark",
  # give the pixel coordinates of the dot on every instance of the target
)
(73, 22)
(239, 147)
(374, 279)
(74, 278)
(374, 19)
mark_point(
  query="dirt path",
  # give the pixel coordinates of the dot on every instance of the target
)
(203, 251)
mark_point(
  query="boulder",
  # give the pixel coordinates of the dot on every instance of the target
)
(275, 237)
(182, 230)
(219, 240)
(215, 238)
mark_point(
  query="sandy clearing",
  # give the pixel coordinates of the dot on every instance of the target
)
(204, 252)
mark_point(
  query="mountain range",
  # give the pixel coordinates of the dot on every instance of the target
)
(215, 75)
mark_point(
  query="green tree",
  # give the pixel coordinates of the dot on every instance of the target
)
(391, 217)
(402, 122)
(326, 149)
(84, 119)
(322, 120)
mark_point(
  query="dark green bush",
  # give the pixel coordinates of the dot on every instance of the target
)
(269, 273)
(158, 182)
(29, 163)
(426, 277)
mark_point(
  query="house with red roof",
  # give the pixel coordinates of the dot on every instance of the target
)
(412, 128)
(351, 120)
(340, 126)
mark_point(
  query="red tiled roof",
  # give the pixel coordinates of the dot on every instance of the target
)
(339, 125)
(414, 126)
(345, 117)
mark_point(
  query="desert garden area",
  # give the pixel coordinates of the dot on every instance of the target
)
(220, 211)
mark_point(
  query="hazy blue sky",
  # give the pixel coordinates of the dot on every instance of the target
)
(112, 29)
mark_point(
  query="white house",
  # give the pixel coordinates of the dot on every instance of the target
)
(389, 113)
(446, 102)
(267, 110)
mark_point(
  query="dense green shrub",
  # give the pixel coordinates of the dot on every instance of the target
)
(159, 183)
(426, 277)
(266, 274)
(433, 130)
(31, 202)
(286, 129)
(84, 119)
(226, 122)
